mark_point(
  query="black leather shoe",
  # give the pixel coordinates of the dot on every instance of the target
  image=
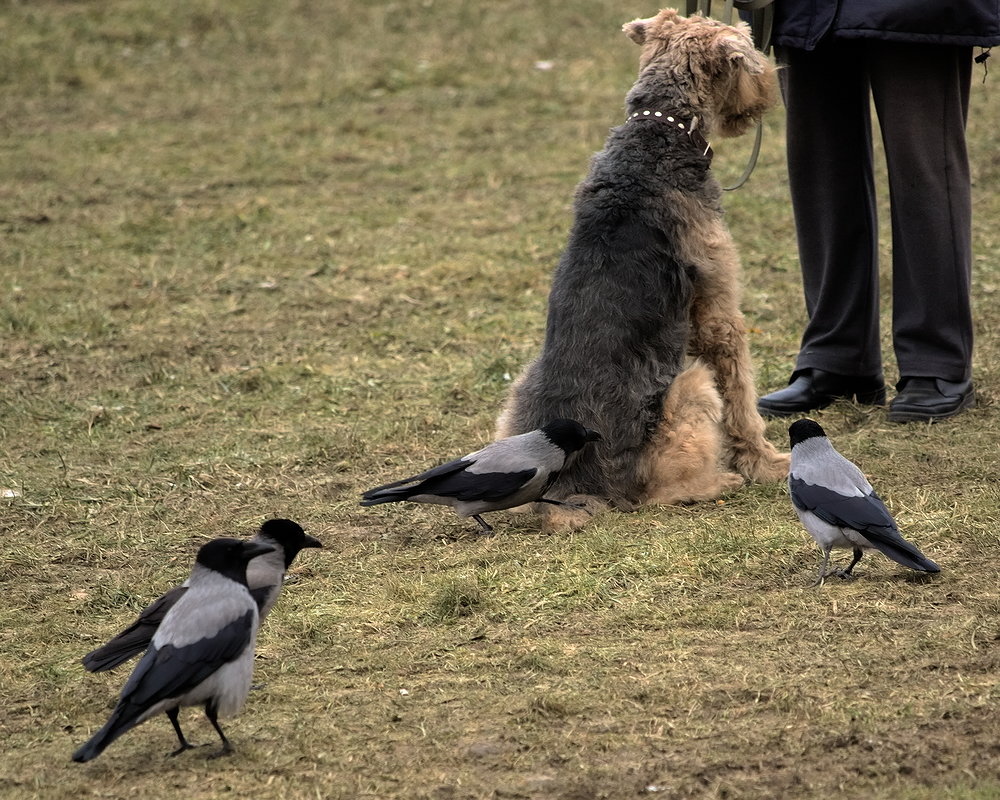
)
(813, 388)
(930, 399)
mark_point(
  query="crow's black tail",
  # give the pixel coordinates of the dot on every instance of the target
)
(382, 495)
(902, 552)
(124, 646)
(123, 718)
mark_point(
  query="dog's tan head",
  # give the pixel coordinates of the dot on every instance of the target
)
(711, 66)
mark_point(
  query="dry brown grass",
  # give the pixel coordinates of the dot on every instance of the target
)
(261, 256)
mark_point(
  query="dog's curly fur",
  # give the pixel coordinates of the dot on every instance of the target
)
(645, 341)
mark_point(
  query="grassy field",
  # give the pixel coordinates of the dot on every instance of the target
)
(257, 257)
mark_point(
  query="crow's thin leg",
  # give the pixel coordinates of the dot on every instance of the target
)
(484, 526)
(577, 506)
(822, 568)
(185, 744)
(212, 713)
(858, 552)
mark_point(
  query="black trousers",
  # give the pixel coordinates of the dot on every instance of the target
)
(921, 97)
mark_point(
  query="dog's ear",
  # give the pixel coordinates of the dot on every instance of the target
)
(641, 30)
(636, 30)
(749, 77)
(740, 51)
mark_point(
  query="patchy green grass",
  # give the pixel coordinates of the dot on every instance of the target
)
(260, 256)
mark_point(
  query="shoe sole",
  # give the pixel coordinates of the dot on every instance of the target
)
(863, 400)
(917, 416)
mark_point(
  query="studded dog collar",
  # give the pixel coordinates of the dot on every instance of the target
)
(691, 128)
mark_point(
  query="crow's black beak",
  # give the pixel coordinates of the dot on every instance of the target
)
(253, 549)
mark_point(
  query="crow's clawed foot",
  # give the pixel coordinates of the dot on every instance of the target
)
(485, 529)
(225, 750)
(843, 574)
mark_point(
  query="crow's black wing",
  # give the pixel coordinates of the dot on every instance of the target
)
(136, 637)
(468, 486)
(440, 471)
(169, 671)
(845, 511)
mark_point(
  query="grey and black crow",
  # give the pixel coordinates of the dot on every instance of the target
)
(504, 474)
(265, 576)
(838, 506)
(201, 654)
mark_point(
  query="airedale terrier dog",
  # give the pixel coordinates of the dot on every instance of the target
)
(645, 341)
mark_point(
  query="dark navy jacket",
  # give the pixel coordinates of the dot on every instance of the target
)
(802, 23)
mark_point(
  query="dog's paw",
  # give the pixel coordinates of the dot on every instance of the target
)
(764, 467)
(774, 468)
(729, 481)
(580, 509)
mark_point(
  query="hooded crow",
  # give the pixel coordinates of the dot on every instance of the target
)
(265, 575)
(201, 654)
(839, 508)
(504, 474)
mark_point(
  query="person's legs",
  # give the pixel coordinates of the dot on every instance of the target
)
(922, 97)
(829, 152)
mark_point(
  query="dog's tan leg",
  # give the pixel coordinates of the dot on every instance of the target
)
(683, 463)
(504, 422)
(507, 420)
(718, 335)
(721, 341)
